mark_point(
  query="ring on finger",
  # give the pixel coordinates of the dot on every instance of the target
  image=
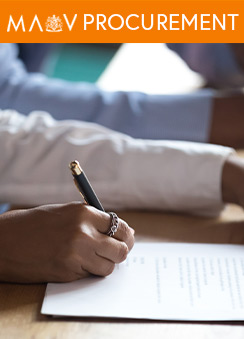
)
(114, 224)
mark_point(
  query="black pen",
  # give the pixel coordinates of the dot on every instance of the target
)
(83, 185)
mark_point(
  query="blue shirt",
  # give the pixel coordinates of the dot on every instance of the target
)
(178, 117)
(4, 208)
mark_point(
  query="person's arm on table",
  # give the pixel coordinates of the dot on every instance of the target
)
(203, 116)
(227, 124)
(65, 242)
(177, 117)
(124, 172)
(222, 66)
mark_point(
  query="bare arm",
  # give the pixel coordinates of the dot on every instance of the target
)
(227, 125)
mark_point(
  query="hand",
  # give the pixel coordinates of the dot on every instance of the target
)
(60, 243)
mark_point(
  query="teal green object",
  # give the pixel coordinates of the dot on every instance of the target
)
(79, 62)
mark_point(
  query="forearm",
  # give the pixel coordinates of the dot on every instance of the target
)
(204, 117)
(125, 172)
(227, 125)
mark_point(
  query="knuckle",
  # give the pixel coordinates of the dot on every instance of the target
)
(123, 252)
(73, 216)
(108, 270)
(83, 212)
(74, 208)
(88, 240)
(132, 242)
(84, 208)
(125, 229)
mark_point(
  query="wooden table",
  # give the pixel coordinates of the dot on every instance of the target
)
(20, 304)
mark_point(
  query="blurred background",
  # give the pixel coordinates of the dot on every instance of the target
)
(151, 68)
(75, 62)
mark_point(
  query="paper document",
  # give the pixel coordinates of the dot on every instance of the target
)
(164, 281)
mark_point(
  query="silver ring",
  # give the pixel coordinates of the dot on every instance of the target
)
(114, 224)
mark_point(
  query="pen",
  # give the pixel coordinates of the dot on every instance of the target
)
(83, 185)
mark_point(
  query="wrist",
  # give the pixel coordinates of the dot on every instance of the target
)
(227, 128)
(233, 180)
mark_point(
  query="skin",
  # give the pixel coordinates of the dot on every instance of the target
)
(60, 243)
(227, 126)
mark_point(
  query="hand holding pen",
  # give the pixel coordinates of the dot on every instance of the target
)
(62, 242)
(89, 195)
(125, 233)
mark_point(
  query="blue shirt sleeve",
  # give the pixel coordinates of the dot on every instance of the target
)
(4, 208)
(178, 117)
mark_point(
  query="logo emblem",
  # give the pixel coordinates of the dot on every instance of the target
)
(54, 24)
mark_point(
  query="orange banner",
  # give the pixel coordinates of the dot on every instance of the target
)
(121, 21)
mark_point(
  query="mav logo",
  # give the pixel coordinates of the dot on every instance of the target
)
(53, 23)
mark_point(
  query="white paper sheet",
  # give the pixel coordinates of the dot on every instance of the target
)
(164, 281)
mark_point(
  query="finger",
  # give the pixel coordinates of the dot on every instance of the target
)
(99, 219)
(102, 222)
(99, 266)
(112, 249)
(125, 233)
